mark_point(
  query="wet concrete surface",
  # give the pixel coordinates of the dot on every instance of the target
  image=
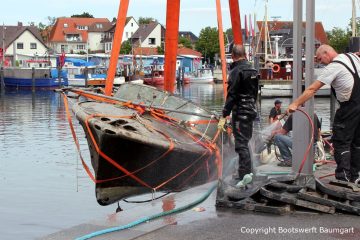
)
(208, 222)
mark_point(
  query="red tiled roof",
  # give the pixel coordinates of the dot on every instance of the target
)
(188, 51)
(57, 32)
(320, 33)
(145, 51)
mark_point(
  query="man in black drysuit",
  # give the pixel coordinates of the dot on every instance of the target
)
(241, 98)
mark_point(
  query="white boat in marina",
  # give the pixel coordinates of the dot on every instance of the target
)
(95, 76)
(286, 90)
(203, 75)
(81, 73)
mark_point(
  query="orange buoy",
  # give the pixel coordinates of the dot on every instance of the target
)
(276, 68)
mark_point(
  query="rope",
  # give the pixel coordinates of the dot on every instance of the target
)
(149, 218)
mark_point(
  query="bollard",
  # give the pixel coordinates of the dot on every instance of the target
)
(183, 75)
(2, 84)
(33, 78)
(86, 71)
(59, 76)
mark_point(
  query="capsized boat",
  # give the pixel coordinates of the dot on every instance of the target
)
(144, 140)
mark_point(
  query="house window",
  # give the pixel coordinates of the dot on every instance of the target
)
(20, 46)
(132, 24)
(127, 34)
(64, 48)
(33, 46)
(80, 47)
(99, 25)
(81, 27)
(65, 25)
(152, 41)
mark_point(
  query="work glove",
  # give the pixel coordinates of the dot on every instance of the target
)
(221, 124)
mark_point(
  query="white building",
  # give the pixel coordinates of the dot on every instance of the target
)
(131, 26)
(21, 43)
(96, 33)
(74, 35)
(149, 35)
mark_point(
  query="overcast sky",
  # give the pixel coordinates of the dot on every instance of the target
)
(195, 14)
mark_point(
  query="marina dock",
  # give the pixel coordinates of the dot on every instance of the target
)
(205, 221)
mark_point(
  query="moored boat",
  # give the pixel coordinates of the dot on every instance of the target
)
(203, 75)
(144, 140)
(82, 73)
(38, 77)
(156, 76)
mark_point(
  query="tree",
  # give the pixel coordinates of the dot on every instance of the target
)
(51, 21)
(146, 20)
(185, 42)
(125, 47)
(160, 49)
(83, 15)
(339, 39)
(229, 33)
(46, 28)
(357, 26)
(208, 43)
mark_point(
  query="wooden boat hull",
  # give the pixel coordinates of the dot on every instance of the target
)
(134, 153)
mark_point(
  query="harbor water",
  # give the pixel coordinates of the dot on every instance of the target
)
(44, 188)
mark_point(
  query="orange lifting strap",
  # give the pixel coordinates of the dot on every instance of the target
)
(115, 51)
(171, 43)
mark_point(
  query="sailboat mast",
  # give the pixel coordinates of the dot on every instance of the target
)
(354, 33)
(266, 31)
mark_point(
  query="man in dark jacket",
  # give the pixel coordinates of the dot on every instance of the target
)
(242, 91)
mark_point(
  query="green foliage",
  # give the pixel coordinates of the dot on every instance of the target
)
(83, 15)
(125, 47)
(357, 27)
(208, 43)
(229, 33)
(51, 21)
(146, 20)
(339, 39)
(185, 42)
(160, 50)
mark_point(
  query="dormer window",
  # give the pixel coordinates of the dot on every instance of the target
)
(81, 27)
(99, 25)
(65, 25)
